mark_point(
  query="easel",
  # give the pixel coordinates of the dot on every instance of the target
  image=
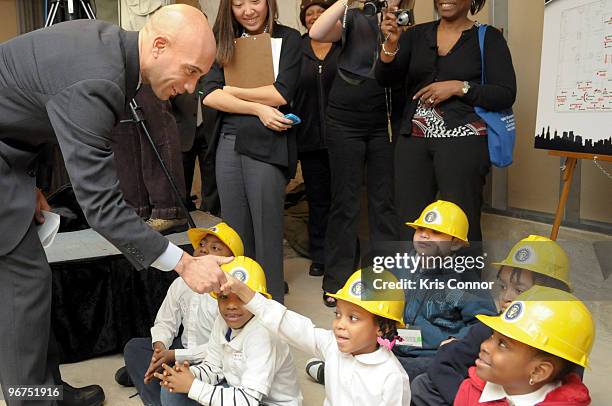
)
(568, 174)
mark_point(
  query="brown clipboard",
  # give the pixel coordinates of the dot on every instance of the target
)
(251, 66)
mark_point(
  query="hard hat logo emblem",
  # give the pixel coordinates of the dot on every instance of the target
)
(522, 255)
(240, 274)
(431, 217)
(514, 312)
(356, 288)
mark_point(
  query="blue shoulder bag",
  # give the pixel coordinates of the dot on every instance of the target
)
(501, 130)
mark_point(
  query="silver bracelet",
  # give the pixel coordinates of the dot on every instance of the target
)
(390, 53)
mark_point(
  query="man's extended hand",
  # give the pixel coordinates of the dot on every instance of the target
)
(202, 274)
(41, 204)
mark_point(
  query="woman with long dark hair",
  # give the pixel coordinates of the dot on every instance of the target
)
(442, 148)
(254, 143)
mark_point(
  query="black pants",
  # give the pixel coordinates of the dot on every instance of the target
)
(424, 393)
(317, 178)
(353, 151)
(27, 352)
(456, 168)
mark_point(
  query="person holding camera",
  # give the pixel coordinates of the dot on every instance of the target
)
(359, 138)
(442, 147)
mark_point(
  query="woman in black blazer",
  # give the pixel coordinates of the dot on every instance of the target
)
(254, 143)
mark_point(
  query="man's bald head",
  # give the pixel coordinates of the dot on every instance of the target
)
(177, 47)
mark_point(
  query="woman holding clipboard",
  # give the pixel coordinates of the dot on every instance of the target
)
(254, 144)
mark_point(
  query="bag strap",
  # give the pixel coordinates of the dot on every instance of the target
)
(482, 30)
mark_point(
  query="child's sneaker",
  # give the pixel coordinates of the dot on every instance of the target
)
(315, 368)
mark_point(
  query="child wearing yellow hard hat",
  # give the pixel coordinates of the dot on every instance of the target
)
(181, 306)
(246, 364)
(359, 367)
(536, 343)
(534, 260)
(220, 240)
(446, 293)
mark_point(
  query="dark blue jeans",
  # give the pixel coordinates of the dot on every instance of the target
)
(137, 354)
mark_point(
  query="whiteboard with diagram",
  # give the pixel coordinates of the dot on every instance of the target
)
(575, 95)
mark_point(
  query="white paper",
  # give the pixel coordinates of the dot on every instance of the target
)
(277, 44)
(48, 230)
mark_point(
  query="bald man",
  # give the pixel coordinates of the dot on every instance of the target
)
(68, 84)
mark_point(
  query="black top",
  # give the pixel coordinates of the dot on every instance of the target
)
(252, 137)
(356, 99)
(418, 65)
(310, 100)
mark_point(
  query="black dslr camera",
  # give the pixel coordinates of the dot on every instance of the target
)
(404, 17)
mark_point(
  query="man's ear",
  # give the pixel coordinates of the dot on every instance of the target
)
(160, 44)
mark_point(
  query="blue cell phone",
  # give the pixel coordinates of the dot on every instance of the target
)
(295, 120)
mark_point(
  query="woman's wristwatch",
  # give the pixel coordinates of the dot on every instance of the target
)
(466, 88)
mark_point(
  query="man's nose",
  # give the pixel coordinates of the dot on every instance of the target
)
(191, 85)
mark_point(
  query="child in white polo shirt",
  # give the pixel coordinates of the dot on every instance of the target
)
(181, 306)
(246, 365)
(360, 369)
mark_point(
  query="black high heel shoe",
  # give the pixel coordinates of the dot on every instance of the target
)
(328, 300)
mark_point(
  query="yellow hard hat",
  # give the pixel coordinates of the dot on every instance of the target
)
(541, 255)
(392, 307)
(445, 217)
(549, 319)
(249, 272)
(223, 232)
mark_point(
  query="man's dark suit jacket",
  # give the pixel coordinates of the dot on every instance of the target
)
(69, 83)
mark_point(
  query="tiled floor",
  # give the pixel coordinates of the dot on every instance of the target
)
(305, 297)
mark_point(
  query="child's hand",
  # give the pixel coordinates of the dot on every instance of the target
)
(160, 356)
(177, 379)
(241, 290)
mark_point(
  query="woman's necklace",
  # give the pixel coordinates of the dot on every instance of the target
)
(246, 34)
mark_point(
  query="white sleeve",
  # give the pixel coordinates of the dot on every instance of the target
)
(168, 260)
(207, 394)
(211, 370)
(194, 355)
(396, 391)
(169, 316)
(295, 329)
(207, 373)
(208, 311)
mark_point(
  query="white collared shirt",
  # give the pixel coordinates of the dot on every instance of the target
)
(197, 314)
(362, 380)
(253, 362)
(493, 391)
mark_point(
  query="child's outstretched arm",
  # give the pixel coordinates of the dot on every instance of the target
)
(295, 329)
